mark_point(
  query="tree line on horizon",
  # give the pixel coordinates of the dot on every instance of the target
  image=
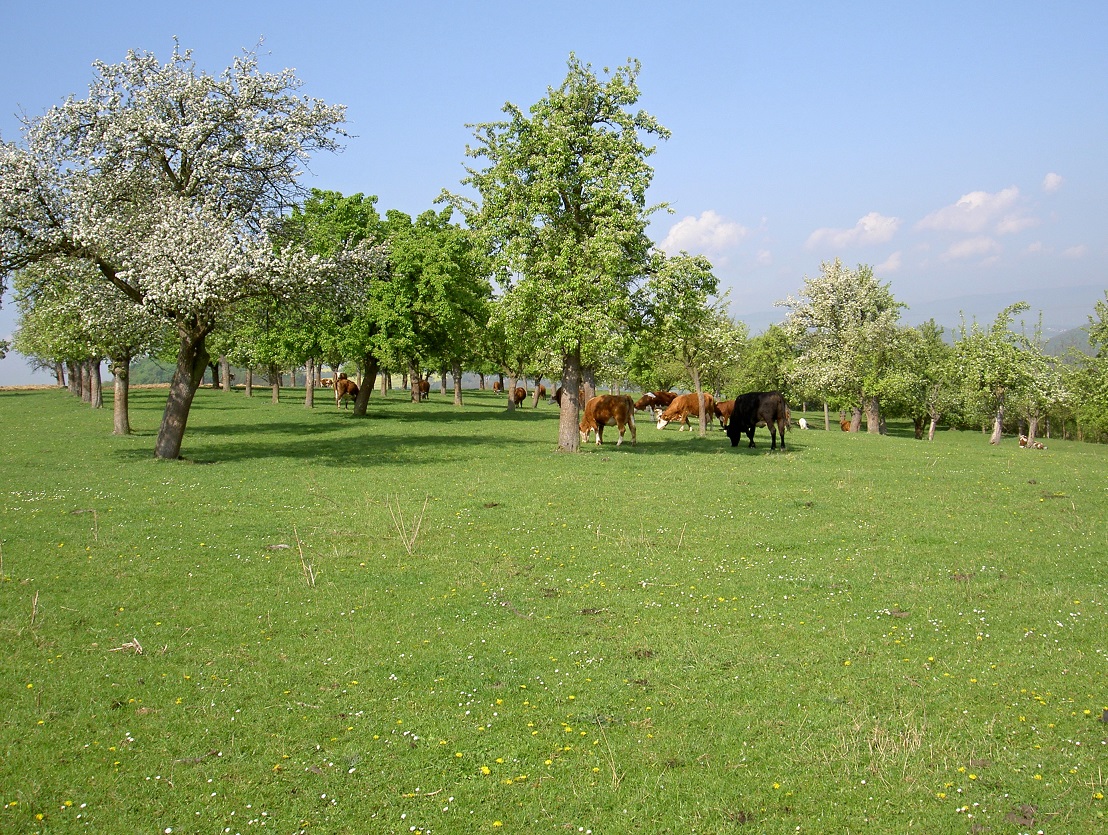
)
(162, 216)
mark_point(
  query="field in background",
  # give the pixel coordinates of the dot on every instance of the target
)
(428, 620)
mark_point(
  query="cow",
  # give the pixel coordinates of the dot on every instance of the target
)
(654, 400)
(844, 425)
(345, 388)
(723, 412)
(424, 389)
(757, 407)
(541, 395)
(1028, 444)
(683, 406)
(608, 410)
(497, 386)
(519, 394)
(802, 423)
(328, 383)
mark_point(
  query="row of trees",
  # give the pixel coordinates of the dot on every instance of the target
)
(165, 209)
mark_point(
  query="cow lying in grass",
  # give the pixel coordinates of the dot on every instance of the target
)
(608, 410)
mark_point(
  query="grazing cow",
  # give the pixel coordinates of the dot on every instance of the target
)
(497, 386)
(757, 407)
(541, 395)
(844, 425)
(654, 400)
(519, 394)
(608, 410)
(684, 406)
(424, 389)
(345, 388)
(723, 412)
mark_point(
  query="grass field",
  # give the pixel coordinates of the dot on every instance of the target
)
(428, 620)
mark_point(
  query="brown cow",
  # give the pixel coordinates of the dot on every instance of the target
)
(608, 410)
(541, 395)
(424, 389)
(655, 400)
(723, 412)
(328, 383)
(683, 407)
(497, 386)
(345, 388)
(844, 425)
(519, 394)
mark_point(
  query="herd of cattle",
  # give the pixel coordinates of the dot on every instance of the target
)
(737, 417)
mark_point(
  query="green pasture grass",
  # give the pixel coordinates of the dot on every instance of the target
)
(428, 620)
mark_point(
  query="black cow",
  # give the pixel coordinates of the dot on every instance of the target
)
(756, 407)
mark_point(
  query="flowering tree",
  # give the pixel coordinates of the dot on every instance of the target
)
(845, 323)
(164, 179)
(563, 210)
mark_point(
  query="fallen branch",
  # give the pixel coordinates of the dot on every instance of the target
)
(131, 644)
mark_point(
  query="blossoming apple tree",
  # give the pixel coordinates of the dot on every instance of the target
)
(165, 179)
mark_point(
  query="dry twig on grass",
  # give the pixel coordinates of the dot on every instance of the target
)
(408, 538)
(131, 644)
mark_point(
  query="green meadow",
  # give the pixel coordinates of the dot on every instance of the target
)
(428, 620)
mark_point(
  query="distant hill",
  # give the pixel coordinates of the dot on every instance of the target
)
(1077, 338)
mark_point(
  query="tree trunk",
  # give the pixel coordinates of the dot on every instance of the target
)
(873, 416)
(1032, 429)
(998, 424)
(856, 419)
(74, 379)
(414, 377)
(456, 372)
(386, 381)
(59, 373)
(275, 384)
(96, 384)
(249, 385)
(225, 372)
(121, 416)
(309, 383)
(442, 381)
(513, 382)
(369, 362)
(481, 380)
(703, 419)
(931, 431)
(86, 381)
(588, 383)
(569, 431)
(535, 398)
(192, 359)
(826, 418)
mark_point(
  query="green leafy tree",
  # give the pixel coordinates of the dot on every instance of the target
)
(681, 315)
(991, 364)
(767, 362)
(563, 213)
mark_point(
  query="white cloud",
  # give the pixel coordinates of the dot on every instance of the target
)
(708, 234)
(972, 248)
(874, 228)
(976, 211)
(1076, 251)
(1052, 182)
(1015, 223)
(764, 258)
(890, 264)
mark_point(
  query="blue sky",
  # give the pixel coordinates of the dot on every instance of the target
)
(961, 148)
